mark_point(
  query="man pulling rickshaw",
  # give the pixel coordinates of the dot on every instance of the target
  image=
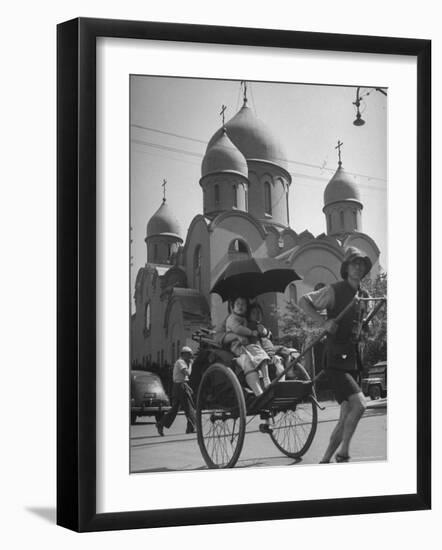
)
(342, 360)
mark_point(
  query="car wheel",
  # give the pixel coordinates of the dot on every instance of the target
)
(133, 418)
(374, 392)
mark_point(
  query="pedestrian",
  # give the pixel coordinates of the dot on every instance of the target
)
(341, 347)
(182, 394)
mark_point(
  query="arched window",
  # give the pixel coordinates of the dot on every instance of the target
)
(341, 215)
(197, 268)
(355, 218)
(216, 195)
(267, 198)
(287, 205)
(155, 251)
(246, 197)
(238, 246)
(235, 195)
(147, 318)
(329, 219)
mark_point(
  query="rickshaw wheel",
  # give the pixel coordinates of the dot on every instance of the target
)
(294, 429)
(220, 417)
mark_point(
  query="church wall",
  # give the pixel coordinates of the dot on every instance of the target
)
(198, 236)
(259, 174)
(175, 334)
(290, 240)
(165, 246)
(227, 230)
(224, 197)
(316, 265)
(352, 218)
(149, 343)
(272, 244)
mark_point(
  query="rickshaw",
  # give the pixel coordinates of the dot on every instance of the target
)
(225, 405)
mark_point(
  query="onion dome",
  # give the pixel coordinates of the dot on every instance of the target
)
(252, 137)
(163, 222)
(342, 187)
(223, 156)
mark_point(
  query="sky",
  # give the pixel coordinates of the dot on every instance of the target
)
(172, 120)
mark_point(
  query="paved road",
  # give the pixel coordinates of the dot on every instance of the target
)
(178, 451)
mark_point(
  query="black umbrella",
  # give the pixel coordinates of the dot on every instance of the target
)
(254, 276)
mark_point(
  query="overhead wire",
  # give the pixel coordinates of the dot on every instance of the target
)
(291, 161)
(295, 174)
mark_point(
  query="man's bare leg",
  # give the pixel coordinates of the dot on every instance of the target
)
(337, 433)
(356, 408)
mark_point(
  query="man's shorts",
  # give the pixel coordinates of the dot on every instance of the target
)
(343, 383)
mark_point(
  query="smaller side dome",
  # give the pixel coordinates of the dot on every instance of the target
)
(223, 156)
(163, 222)
(342, 187)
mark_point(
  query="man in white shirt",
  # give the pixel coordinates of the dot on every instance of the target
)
(182, 394)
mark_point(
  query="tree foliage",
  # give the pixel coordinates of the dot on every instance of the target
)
(374, 343)
(298, 330)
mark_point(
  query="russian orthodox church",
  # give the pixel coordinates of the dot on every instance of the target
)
(245, 185)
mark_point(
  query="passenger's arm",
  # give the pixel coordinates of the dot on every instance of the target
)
(232, 325)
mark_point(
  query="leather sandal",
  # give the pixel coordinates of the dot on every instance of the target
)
(342, 458)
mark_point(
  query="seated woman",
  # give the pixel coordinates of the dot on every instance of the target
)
(251, 356)
(264, 338)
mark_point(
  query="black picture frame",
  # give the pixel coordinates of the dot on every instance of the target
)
(76, 273)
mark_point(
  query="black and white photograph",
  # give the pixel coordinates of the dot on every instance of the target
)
(258, 274)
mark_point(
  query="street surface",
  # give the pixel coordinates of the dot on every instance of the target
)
(178, 451)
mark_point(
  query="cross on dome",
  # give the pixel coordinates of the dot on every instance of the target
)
(244, 87)
(223, 109)
(163, 185)
(338, 147)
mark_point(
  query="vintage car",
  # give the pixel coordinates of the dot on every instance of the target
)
(374, 380)
(148, 397)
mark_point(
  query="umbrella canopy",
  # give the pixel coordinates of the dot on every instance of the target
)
(252, 277)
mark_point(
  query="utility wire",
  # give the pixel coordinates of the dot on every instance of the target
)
(314, 166)
(309, 165)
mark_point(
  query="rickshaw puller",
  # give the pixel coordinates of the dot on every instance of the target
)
(341, 349)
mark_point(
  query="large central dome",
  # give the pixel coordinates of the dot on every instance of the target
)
(252, 137)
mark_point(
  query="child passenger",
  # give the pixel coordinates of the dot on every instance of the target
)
(263, 338)
(252, 357)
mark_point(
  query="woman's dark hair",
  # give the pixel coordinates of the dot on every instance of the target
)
(252, 306)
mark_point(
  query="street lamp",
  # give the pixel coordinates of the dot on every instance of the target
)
(359, 121)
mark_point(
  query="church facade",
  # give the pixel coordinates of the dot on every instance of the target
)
(245, 185)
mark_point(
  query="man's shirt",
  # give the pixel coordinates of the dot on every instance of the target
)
(181, 371)
(324, 298)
